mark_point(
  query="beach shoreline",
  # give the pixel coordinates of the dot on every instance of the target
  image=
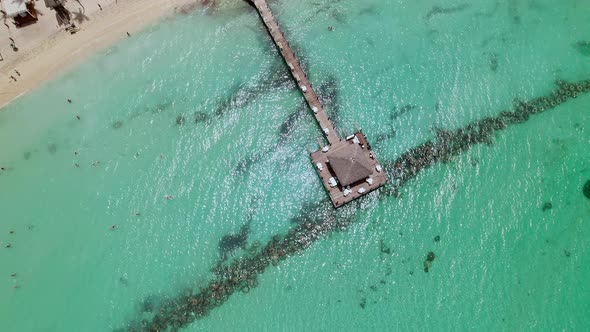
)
(52, 50)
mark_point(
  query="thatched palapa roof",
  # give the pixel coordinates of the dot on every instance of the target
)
(350, 164)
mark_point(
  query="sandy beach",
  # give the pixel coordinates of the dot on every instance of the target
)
(46, 49)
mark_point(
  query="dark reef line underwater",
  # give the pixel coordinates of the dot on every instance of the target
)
(317, 220)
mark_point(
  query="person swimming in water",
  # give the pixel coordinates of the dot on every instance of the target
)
(112, 228)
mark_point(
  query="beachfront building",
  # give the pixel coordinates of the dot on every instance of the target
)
(22, 12)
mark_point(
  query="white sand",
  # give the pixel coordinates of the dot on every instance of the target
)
(46, 49)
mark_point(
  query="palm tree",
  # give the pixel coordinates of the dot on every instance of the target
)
(80, 16)
(81, 5)
(4, 18)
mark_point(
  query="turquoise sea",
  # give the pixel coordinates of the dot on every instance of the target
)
(200, 108)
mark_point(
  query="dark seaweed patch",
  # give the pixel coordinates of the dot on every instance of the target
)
(437, 238)
(438, 10)
(430, 257)
(503, 38)
(321, 7)
(363, 303)
(490, 12)
(231, 242)
(117, 124)
(428, 261)
(586, 189)
(160, 107)
(583, 47)
(370, 10)
(384, 248)
(52, 148)
(547, 206)
(328, 7)
(27, 155)
(244, 165)
(385, 136)
(242, 94)
(493, 61)
(397, 112)
(287, 126)
(328, 94)
(338, 16)
(180, 120)
(513, 11)
(536, 6)
(201, 117)
(516, 19)
(124, 281)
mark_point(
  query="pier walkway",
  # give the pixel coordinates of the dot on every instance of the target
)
(296, 71)
(347, 167)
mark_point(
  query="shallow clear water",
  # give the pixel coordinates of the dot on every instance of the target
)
(399, 70)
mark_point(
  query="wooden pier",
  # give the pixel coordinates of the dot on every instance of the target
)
(348, 168)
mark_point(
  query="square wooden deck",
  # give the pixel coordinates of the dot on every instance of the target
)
(339, 194)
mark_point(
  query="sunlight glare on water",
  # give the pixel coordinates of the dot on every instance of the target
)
(200, 109)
